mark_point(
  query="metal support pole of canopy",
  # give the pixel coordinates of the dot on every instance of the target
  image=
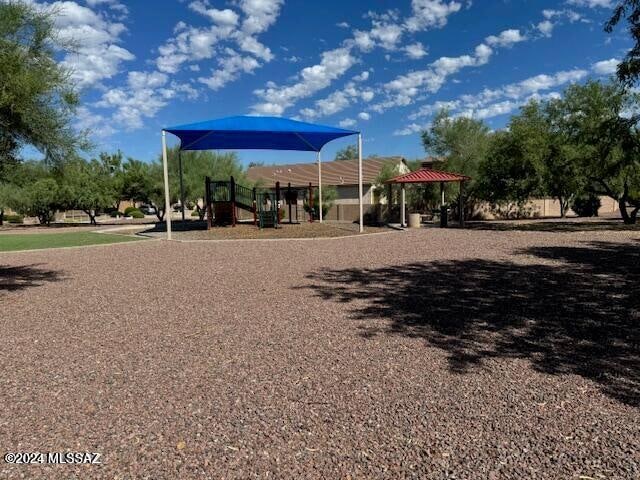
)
(165, 171)
(181, 184)
(320, 186)
(360, 199)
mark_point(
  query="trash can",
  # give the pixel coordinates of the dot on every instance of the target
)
(414, 220)
(444, 216)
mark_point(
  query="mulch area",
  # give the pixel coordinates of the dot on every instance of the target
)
(431, 354)
(197, 231)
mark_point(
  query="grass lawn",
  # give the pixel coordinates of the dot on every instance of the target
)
(34, 241)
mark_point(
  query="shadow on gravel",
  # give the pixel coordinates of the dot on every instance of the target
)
(554, 226)
(177, 226)
(581, 316)
(25, 276)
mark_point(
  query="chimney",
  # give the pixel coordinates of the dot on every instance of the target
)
(427, 163)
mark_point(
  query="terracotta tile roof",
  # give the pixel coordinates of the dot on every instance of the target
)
(426, 175)
(340, 172)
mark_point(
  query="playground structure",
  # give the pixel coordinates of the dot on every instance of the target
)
(257, 133)
(223, 198)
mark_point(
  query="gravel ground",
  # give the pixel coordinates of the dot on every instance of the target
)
(249, 231)
(432, 354)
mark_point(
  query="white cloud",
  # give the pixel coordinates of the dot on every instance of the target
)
(220, 17)
(430, 13)
(190, 45)
(606, 67)
(229, 69)
(592, 3)
(499, 101)
(411, 129)
(553, 18)
(311, 80)
(342, 25)
(260, 15)
(364, 76)
(386, 32)
(546, 27)
(97, 124)
(402, 90)
(338, 101)
(388, 35)
(195, 44)
(506, 38)
(142, 97)
(415, 50)
(364, 116)
(112, 4)
(367, 95)
(140, 80)
(347, 122)
(96, 54)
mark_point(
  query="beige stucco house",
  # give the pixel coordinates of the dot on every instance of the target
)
(341, 174)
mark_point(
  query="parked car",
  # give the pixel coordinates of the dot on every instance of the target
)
(148, 209)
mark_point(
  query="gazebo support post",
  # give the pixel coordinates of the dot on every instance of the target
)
(181, 183)
(461, 204)
(320, 186)
(165, 171)
(360, 182)
(443, 208)
(310, 203)
(403, 222)
(289, 196)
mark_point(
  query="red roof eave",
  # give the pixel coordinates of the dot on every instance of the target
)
(429, 176)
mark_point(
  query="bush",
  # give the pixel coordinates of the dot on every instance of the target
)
(586, 205)
(14, 218)
(128, 210)
(135, 213)
(195, 213)
(329, 195)
(115, 213)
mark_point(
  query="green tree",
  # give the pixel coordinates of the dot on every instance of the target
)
(349, 152)
(539, 131)
(111, 166)
(155, 192)
(40, 199)
(461, 143)
(601, 125)
(7, 194)
(507, 176)
(35, 191)
(135, 181)
(37, 99)
(629, 68)
(85, 185)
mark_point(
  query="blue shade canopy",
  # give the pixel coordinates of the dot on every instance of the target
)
(256, 133)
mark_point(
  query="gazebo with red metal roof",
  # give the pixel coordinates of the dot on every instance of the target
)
(428, 175)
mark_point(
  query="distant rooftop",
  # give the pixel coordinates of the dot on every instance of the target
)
(337, 172)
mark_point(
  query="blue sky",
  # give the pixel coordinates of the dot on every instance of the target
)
(383, 67)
